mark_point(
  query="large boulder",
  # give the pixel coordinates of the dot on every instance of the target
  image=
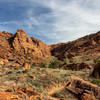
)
(79, 86)
(27, 66)
(96, 71)
(86, 96)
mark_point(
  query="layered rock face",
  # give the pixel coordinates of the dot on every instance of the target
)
(83, 89)
(20, 45)
(89, 44)
(44, 48)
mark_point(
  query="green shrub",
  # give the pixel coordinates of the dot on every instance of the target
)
(50, 63)
(57, 95)
(43, 65)
(96, 60)
(53, 63)
(95, 81)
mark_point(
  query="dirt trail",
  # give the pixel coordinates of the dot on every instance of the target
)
(55, 89)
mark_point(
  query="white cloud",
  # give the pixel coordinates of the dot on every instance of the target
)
(67, 19)
(72, 18)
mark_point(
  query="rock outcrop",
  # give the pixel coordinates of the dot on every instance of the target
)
(21, 47)
(44, 48)
(86, 96)
(83, 88)
(9, 96)
(27, 66)
(14, 95)
(96, 71)
(5, 49)
(22, 43)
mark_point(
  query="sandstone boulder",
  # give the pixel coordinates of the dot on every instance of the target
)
(3, 61)
(30, 93)
(96, 71)
(78, 86)
(17, 92)
(86, 96)
(27, 66)
(9, 96)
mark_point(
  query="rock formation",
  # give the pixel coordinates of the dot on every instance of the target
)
(86, 96)
(27, 66)
(21, 47)
(96, 71)
(22, 43)
(27, 92)
(83, 88)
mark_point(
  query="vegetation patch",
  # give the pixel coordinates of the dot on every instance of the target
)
(95, 81)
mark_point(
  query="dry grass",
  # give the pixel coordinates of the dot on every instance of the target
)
(39, 79)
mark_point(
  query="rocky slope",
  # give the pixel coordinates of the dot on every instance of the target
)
(85, 50)
(84, 46)
(21, 47)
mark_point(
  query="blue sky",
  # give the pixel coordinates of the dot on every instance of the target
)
(51, 21)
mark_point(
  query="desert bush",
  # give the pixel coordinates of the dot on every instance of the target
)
(33, 65)
(66, 60)
(43, 65)
(96, 60)
(77, 59)
(57, 95)
(22, 84)
(50, 63)
(53, 63)
(95, 81)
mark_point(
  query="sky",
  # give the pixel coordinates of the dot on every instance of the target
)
(51, 21)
